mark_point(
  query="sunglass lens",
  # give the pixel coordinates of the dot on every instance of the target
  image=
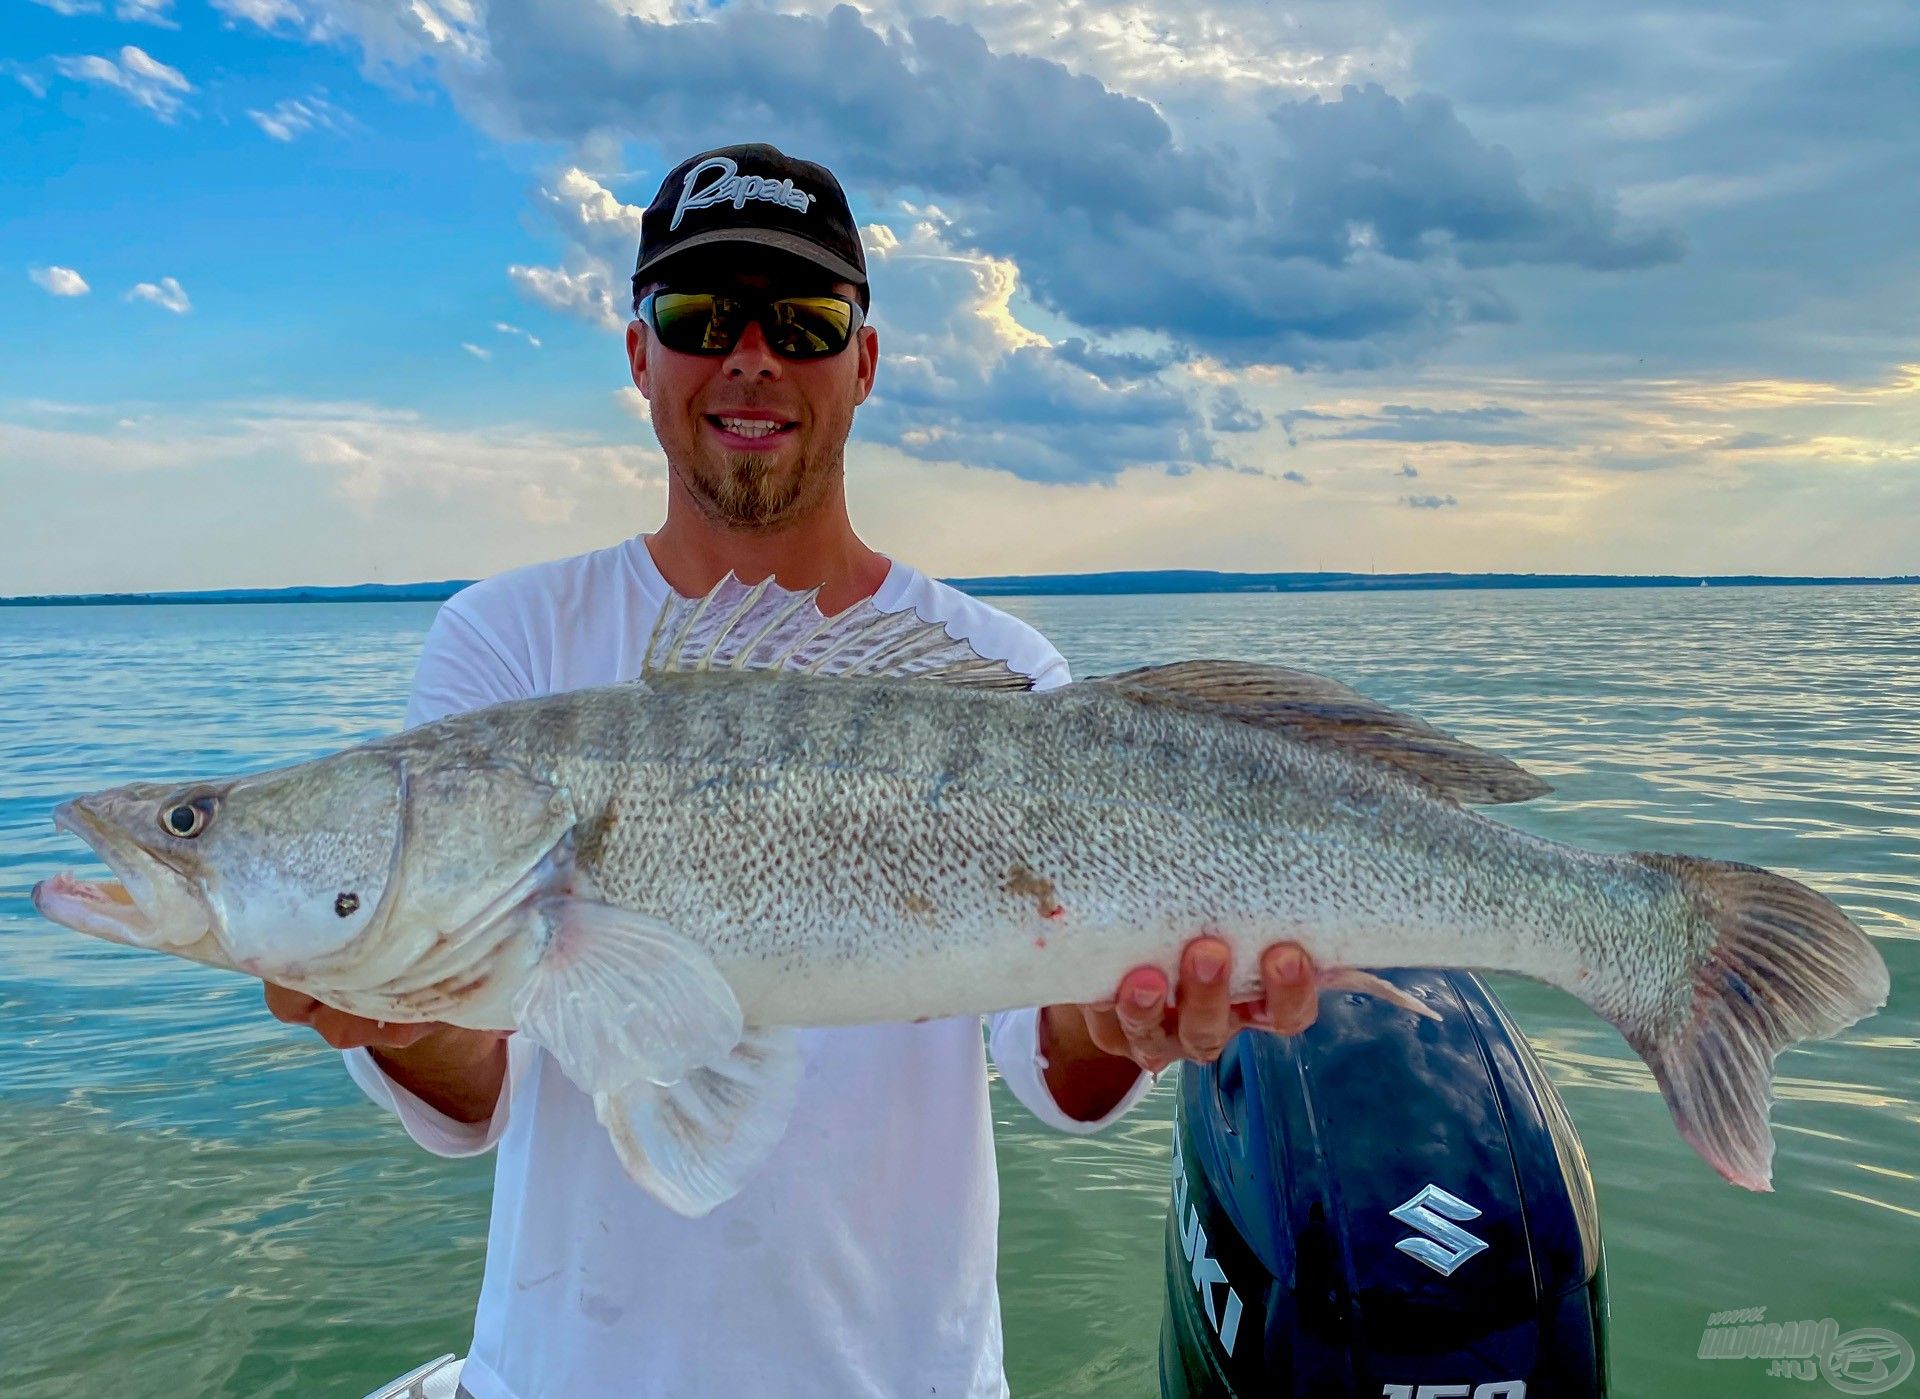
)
(695, 323)
(797, 327)
(809, 326)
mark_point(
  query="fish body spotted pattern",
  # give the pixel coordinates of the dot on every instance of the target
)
(853, 850)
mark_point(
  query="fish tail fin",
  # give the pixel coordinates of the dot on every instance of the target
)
(1784, 965)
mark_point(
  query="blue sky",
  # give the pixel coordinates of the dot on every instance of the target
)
(1379, 283)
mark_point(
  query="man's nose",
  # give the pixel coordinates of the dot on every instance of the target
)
(752, 355)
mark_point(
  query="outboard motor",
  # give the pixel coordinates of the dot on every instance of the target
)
(1385, 1206)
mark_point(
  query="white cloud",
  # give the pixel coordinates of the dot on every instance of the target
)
(333, 493)
(391, 35)
(587, 209)
(141, 77)
(32, 82)
(60, 281)
(295, 116)
(145, 12)
(168, 295)
(1798, 476)
(70, 7)
(602, 233)
(505, 329)
(475, 350)
(266, 14)
(586, 291)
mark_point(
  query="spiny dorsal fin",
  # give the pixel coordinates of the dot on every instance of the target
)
(767, 627)
(1313, 709)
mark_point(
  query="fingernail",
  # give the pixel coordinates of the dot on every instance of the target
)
(1208, 964)
(1288, 965)
(1143, 996)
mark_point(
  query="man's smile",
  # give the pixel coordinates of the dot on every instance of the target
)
(750, 431)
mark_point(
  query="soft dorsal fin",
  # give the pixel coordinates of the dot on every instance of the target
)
(1313, 709)
(767, 627)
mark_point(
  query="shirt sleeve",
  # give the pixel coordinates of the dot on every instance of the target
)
(1013, 1036)
(459, 669)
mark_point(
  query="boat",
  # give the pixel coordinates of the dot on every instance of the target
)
(437, 1379)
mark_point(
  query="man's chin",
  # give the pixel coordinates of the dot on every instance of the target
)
(753, 493)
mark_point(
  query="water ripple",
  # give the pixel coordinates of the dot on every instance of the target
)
(200, 1203)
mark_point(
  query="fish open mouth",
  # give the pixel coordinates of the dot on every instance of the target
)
(125, 909)
(104, 908)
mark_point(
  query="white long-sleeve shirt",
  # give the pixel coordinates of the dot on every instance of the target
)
(859, 1260)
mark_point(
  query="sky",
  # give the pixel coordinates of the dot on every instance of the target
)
(332, 291)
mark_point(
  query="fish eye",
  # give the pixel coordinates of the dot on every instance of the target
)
(185, 820)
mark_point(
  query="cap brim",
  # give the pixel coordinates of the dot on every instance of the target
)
(762, 237)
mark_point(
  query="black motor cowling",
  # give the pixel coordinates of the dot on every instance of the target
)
(1385, 1206)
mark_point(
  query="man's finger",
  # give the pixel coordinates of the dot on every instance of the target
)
(286, 1004)
(1292, 997)
(1200, 998)
(1141, 1005)
(344, 1031)
(1103, 1028)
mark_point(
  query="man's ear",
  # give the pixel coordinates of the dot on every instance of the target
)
(637, 356)
(869, 361)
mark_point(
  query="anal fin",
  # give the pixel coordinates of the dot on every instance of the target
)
(693, 1144)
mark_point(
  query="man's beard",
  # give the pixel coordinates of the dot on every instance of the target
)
(744, 494)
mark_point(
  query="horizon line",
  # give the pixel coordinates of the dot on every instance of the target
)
(1111, 581)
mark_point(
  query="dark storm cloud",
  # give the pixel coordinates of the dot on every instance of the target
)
(1116, 366)
(1490, 424)
(1410, 177)
(1783, 135)
(1399, 422)
(1036, 415)
(1354, 233)
(1232, 413)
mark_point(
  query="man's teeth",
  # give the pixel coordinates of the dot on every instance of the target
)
(749, 427)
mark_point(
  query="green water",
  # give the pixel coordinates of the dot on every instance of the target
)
(197, 1202)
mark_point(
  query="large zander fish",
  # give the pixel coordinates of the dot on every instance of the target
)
(791, 820)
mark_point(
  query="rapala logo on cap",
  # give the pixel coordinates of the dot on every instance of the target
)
(736, 189)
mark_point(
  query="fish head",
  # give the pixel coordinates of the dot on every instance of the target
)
(263, 874)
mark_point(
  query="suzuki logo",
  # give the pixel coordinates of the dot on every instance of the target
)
(1224, 1317)
(1446, 1245)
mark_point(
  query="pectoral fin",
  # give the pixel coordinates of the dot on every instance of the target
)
(618, 997)
(695, 1142)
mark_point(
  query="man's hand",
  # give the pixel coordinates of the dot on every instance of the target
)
(1095, 1052)
(454, 1070)
(1141, 1024)
(339, 1029)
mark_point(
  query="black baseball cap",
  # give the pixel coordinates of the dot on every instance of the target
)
(752, 194)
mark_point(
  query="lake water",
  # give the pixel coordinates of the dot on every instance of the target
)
(195, 1201)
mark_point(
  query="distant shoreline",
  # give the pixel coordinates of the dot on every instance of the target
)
(1043, 585)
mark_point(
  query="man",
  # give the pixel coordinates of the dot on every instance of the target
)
(859, 1260)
